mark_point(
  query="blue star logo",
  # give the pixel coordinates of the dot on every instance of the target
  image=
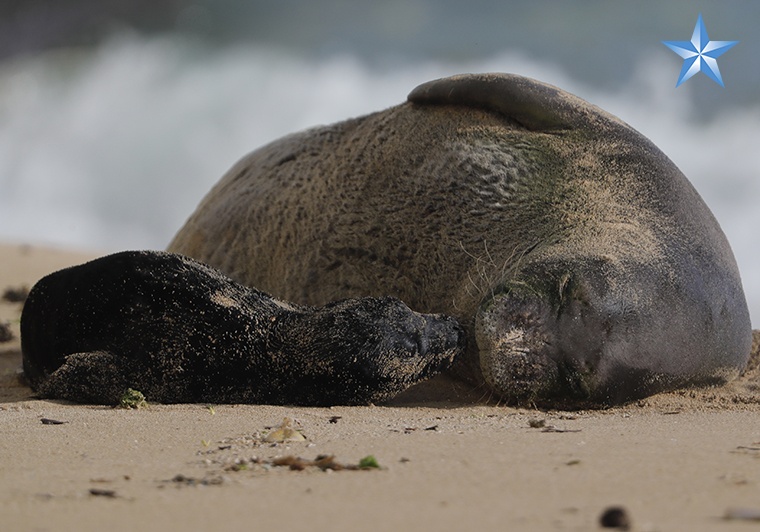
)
(700, 54)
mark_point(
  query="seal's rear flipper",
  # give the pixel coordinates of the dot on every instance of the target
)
(98, 377)
(535, 105)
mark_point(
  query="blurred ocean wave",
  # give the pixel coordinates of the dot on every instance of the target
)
(112, 147)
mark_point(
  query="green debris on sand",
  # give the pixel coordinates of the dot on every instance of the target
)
(368, 462)
(324, 462)
(132, 399)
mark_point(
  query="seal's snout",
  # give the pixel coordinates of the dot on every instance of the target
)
(550, 341)
(447, 337)
(517, 348)
(431, 341)
(444, 332)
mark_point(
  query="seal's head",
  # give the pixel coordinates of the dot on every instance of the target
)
(384, 347)
(596, 331)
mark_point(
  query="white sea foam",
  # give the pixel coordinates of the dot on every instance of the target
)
(112, 149)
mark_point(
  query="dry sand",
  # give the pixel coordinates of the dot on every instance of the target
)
(675, 461)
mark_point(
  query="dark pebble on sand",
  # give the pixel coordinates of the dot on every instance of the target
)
(48, 421)
(6, 335)
(111, 494)
(615, 517)
(15, 295)
(743, 514)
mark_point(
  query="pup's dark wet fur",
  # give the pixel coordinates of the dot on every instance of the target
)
(180, 331)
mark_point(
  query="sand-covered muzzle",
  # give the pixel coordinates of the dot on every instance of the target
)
(594, 330)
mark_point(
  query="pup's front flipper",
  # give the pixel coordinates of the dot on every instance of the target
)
(96, 377)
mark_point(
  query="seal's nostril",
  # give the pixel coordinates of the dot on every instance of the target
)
(461, 337)
(442, 331)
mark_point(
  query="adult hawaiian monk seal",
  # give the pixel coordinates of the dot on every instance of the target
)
(581, 263)
(580, 259)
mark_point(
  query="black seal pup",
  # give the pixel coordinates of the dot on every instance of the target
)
(179, 331)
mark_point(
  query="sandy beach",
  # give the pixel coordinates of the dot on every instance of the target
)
(449, 460)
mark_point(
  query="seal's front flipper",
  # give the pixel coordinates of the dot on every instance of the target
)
(97, 377)
(535, 105)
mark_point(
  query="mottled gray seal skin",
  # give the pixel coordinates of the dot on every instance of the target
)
(179, 331)
(580, 259)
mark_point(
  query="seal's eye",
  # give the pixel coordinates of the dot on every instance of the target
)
(405, 344)
(413, 344)
(423, 344)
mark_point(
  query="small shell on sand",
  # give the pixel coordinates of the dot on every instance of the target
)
(284, 433)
